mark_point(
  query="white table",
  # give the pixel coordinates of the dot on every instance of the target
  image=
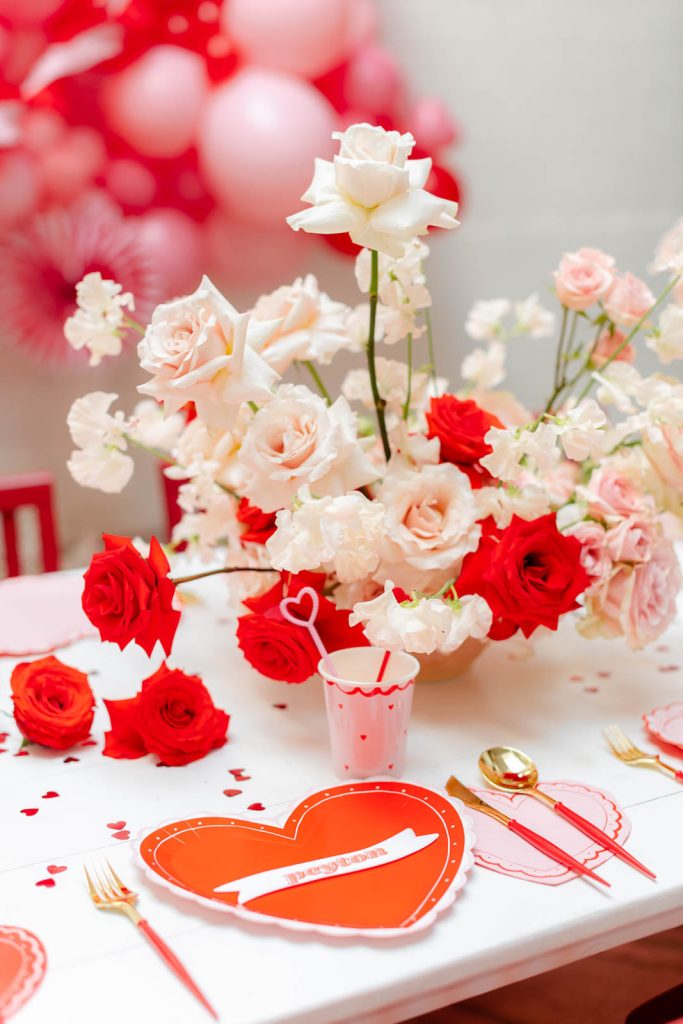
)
(499, 931)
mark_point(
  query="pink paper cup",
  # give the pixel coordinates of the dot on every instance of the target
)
(368, 720)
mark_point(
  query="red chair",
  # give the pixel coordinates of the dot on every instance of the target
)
(28, 489)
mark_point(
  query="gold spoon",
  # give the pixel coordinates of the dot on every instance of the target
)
(511, 769)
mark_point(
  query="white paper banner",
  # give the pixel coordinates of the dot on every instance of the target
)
(403, 844)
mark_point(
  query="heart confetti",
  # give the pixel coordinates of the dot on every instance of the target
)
(50, 795)
(125, 834)
(256, 807)
(47, 883)
(29, 811)
(68, 760)
(238, 774)
(231, 792)
(56, 869)
(116, 826)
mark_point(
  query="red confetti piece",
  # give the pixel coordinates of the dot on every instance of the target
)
(591, 689)
(56, 869)
(363, 736)
(21, 753)
(231, 792)
(125, 834)
(68, 760)
(50, 795)
(256, 807)
(576, 679)
(4, 736)
(280, 707)
(669, 668)
(48, 883)
(604, 675)
(116, 826)
(29, 811)
(238, 774)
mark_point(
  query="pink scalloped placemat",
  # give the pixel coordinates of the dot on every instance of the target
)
(666, 723)
(22, 967)
(38, 614)
(500, 850)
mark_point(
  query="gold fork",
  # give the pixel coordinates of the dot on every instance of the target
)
(623, 748)
(108, 892)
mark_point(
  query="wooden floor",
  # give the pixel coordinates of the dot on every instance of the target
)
(599, 990)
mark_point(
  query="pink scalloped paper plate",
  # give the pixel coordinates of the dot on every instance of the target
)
(383, 859)
(38, 614)
(666, 724)
(500, 850)
(22, 967)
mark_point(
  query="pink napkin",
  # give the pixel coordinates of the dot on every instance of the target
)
(41, 613)
(501, 850)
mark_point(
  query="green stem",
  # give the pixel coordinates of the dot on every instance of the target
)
(318, 381)
(558, 353)
(430, 347)
(629, 337)
(409, 388)
(159, 452)
(379, 402)
(216, 572)
(134, 324)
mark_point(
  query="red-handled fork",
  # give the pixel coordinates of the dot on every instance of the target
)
(108, 892)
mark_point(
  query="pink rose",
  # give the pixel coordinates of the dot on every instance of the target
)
(607, 344)
(633, 540)
(629, 300)
(663, 446)
(612, 495)
(594, 555)
(603, 259)
(637, 602)
(582, 278)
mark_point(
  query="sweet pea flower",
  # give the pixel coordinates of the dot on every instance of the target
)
(99, 461)
(533, 319)
(200, 349)
(149, 427)
(669, 253)
(422, 626)
(338, 534)
(374, 192)
(312, 325)
(484, 367)
(392, 380)
(628, 300)
(667, 339)
(538, 448)
(99, 320)
(583, 278)
(582, 431)
(484, 321)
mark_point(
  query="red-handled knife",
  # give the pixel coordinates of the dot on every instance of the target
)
(456, 789)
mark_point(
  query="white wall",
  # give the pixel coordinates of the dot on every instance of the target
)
(570, 113)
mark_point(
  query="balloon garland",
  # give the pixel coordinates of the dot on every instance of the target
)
(196, 122)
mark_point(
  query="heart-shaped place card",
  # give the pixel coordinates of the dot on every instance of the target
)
(379, 858)
(22, 967)
(501, 850)
(666, 724)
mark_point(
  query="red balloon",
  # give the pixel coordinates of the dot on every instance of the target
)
(342, 244)
(444, 184)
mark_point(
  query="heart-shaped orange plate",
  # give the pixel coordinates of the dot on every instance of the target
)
(22, 966)
(382, 858)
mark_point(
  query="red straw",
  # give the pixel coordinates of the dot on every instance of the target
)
(383, 666)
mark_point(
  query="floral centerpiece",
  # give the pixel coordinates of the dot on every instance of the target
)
(422, 516)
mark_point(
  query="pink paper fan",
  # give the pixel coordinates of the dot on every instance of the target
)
(44, 261)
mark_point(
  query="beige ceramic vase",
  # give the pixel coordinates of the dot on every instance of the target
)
(438, 667)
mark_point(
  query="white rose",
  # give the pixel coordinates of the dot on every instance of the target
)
(339, 535)
(297, 439)
(373, 191)
(200, 349)
(313, 326)
(431, 525)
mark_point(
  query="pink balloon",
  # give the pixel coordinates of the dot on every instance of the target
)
(306, 37)
(432, 125)
(131, 183)
(72, 163)
(155, 103)
(362, 23)
(19, 187)
(373, 81)
(259, 137)
(176, 245)
(253, 258)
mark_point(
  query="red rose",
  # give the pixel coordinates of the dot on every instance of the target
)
(259, 525)
(53, 703)
(529, 574)
(129, 597)
(461, 427)
(172, 716)
(281, 650)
